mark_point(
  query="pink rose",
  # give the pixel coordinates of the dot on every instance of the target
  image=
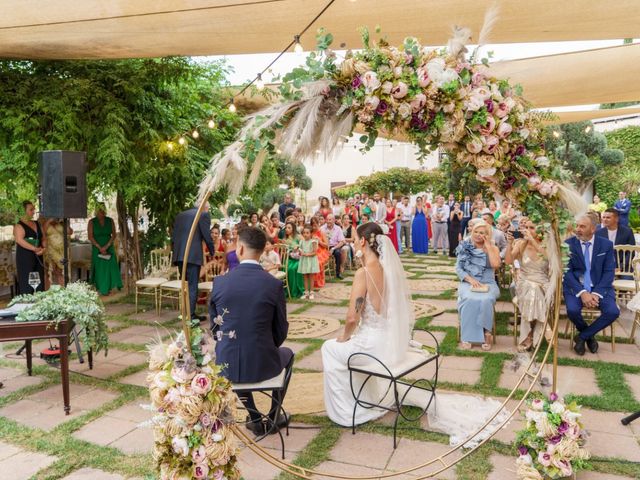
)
(502, 110)
(399, 90)
(423, 77)
(199, 454)
(386, 88)
(205, 420)
(474, 103)
(218, 475)
(418, 102)
(487, 128)
(481, 92)
(448, 107)
(397, 72)
(200, 471)
(490, 143)
(474, 146)
(533, 182)
(201, 384)
(537, 404)
(545, 459)
(547, 188)
(477, 79)
(371, 103)
(404, 110)
(504, 129)
(485, 173)
(564, 466)
(370, 81)
(182, 375)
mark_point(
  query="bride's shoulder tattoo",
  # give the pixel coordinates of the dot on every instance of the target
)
(359, 304)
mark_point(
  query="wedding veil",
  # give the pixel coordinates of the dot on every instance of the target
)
(397, 303)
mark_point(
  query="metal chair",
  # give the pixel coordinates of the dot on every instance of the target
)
(172, 290)
(624, 283)
(159, 274)
(636, 278)
(213, 269)
(590, 314)
(282, 249)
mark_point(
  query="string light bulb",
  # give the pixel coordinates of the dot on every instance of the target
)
(182, 141)
(556, 134)
(259, 82)
(170, 146)
(232, 107)
(195, 134)
(211, 124)
(298, 46)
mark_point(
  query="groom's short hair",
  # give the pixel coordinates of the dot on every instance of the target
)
(253, 238)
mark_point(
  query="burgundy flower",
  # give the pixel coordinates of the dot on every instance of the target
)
(489, 104)
(523, 450)
(556, 439)
(215, 426)
(356, 82)
(563, 428)
(509, 182)
(416, 122)
(520, 151)
(382, 107)
(553, 396)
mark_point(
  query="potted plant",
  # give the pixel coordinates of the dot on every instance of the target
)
(78, 302)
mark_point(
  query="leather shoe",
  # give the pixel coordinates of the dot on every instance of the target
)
(281, 422)
(592, 343)
(579, 347)
(257, 428)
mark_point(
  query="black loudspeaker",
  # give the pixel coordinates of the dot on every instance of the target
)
(63, 184)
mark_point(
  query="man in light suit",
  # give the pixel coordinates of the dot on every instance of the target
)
(623, 206)
(588, 283)
(179, 237)
(249, 318)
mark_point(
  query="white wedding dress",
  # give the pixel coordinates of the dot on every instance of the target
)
(386, 336)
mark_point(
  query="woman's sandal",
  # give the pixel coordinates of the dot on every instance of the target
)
(465, 346)
(488, 342)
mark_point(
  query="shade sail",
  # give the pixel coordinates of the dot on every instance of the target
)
(580, 115)
(149, 28)
(579, 78)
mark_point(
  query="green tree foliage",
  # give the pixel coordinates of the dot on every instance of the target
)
(121, 113)
(398, 180)
(581, 151)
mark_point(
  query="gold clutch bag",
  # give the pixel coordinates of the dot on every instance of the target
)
(481, 289)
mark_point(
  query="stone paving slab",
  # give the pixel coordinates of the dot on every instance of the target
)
(345, 469)
(363, 449)
(311, 362)
(504, 467)
(412, 452)
(120, 429)
(92, 474)
(453, 369)
(150, 316)
(121, 308)
(45, 409)
(295, 346)
(445, 319)
(21, 463)
(139, 378)
(632, 379)
(14, 379)
(331, 310)
(576, 380)
(138, 334)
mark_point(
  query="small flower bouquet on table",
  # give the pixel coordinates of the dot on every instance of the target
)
(551, 446)
(195, 408)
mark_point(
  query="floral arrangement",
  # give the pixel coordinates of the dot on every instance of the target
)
(195, 408)
(552, 444)
(78, 302)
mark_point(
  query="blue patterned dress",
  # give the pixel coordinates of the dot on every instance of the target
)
(475, 308)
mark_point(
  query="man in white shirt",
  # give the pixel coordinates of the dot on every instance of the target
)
(439, 217)
(379, 209)
(405, 221)
(336, 240)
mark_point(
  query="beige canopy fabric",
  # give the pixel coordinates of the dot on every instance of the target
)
(580, 115)
(70, 29)
(580, 78)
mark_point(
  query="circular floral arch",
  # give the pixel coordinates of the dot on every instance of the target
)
(432, 98)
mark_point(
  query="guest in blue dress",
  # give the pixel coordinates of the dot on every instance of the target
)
(478, 258)
(419, 233)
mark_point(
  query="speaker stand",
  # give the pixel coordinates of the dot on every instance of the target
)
(65, 265)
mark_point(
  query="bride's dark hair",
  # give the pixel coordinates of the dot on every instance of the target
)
(369, 231)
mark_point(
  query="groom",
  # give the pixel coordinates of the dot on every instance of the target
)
(588, 283)
(253, 326)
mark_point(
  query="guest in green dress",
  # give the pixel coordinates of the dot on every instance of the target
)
(295, 279)
(105, 271)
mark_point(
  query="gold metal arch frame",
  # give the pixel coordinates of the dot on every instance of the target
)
(306, 473)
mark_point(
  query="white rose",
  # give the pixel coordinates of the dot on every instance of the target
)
(557, 407)
(404, 110)
(543, 161)
(474, 103)
(180, 446)
(370, 81)
(487, 172)
(371, 102)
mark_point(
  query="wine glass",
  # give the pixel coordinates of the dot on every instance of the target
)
(34, 280)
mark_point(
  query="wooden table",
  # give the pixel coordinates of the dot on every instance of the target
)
(12, 331)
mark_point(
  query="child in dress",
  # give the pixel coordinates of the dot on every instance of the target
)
(309, 264)
(270, 260)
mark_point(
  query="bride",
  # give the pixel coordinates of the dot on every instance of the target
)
(380, 322)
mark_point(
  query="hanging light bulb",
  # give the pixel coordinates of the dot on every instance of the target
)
(588, 129)
(211, 124)
(232, 106)
(169, 146)
(195, 134)
(259, 82)
(298, 46)
(182, 141)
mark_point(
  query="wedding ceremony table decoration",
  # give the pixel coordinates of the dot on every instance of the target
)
(552, 445)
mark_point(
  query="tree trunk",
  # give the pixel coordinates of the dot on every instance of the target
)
(129, 242)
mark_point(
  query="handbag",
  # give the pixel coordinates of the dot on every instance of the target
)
(481, 289)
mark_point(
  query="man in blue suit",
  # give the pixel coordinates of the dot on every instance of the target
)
(249, 318)
(179, 236)
(623, 206)
(588, 282)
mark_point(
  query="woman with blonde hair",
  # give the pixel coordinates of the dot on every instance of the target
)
(478, 259)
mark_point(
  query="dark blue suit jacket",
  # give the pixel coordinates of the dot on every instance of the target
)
(602, 267)
(181, 229)
(256, 310)
(624, 235)
(623, 207)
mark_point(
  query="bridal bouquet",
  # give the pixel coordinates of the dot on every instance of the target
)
(195, 408)
(552, 443)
